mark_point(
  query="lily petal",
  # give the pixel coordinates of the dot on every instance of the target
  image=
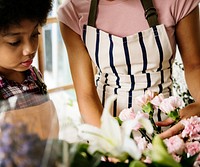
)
(131, 148)
(146, 123)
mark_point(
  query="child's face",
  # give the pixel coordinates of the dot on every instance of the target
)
(18, 46)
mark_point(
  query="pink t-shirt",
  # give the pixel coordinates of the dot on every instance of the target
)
(125, 17)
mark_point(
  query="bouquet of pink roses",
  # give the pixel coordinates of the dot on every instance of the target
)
(187, 144)
(180, 150)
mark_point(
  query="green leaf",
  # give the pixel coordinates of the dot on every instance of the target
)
(148, 108)
(174, 115)
(119, 120)
(188, 161)
(159, 154)
(70, 102)
(80, 157)
(137, 164)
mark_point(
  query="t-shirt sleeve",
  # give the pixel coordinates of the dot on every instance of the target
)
(67, 14)
(183, 7)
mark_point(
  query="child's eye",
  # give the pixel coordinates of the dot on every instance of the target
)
(14, 43)
(35, 35)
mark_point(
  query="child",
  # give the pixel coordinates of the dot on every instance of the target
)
(22, 91)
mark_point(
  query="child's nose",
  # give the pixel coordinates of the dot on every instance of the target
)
(29, 48)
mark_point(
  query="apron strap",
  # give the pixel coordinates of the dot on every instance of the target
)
(150, 12)
(93, 13)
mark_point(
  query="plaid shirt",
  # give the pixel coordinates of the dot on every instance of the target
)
(25, 94)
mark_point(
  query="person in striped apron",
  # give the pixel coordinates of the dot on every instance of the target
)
(132, 44)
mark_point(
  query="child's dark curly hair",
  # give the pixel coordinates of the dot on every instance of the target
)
(14, 11)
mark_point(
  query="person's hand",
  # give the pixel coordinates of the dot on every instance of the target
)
(190, 110)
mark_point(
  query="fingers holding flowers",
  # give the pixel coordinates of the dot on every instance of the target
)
(166, 122)
(151, 102)
(174, 130)
(185, 113)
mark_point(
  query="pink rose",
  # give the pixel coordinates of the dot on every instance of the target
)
(191, 127)
(177, 158)
(147, 160)
(141, 142)
(192, 148)
(197, 162)
(175, 145)
(156, 101)
(127, 114)
(139, 116)
(170, 104)
(149, 94)
(141, 100)
(144, 99)
(149, 146)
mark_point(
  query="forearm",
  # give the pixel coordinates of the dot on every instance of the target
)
(88, 100)
(188, 44)
(90, 107)
(89, 103)
(193, 82)
(83, 77)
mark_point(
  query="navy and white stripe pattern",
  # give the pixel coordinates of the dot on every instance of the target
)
(130, 65)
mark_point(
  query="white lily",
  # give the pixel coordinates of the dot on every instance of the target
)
(111, 139)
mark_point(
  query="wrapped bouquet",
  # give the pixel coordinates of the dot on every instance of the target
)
(133, 138)
(130, 140)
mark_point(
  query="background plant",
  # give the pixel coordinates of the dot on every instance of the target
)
(179, 84)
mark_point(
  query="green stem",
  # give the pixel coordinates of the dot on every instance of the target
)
(144, 134)
(153, 123)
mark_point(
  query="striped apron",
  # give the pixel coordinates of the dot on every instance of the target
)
(127, 66)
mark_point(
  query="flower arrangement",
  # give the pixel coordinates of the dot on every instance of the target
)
(119, 138)
(184, 147)
(130, 140)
